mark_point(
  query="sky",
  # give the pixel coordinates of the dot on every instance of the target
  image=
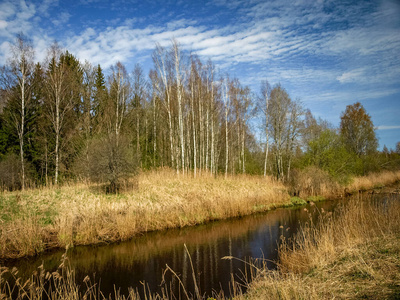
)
(326, 53)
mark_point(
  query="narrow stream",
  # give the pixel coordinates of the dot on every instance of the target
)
(143, 259)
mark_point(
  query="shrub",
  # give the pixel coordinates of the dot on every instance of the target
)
(109, 160)
(313, 181)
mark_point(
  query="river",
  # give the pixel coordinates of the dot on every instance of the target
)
(141, 261)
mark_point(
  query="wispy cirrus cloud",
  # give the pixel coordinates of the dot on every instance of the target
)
(387, 127)
(351, 76)
(16, 17)
(61, 19)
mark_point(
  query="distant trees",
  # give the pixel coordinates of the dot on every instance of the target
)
(64, 119)
(349, 149)
(203, 115)
(327, 152)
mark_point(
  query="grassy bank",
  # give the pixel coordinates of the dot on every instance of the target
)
(374, 181)
(36, 220)
(351, 255)
(313, 184)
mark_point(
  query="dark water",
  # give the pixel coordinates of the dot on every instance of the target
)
(143, 259)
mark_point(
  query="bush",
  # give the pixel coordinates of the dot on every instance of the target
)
(109, 160)
(313, 181)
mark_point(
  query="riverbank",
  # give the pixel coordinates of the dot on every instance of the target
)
(353, 254)
(34, 221)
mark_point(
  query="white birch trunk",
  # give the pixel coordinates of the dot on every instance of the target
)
(179, 96)
(226, 130)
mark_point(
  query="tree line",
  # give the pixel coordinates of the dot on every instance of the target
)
(63, 120)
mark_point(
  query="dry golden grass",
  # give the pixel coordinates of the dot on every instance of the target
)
(77, 214)
(313, 182)
(353, 254)
(350, 254)
(35, 220)
(374, 180)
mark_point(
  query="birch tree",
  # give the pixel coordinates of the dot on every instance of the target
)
(211, 86)
(179, 93)
(294, 128)
(226, 110)
(120, 90)
(59, 102)
(278, 112)
(192, 82)
(139, 89)
(263, 106)
(155, 88)
(18, 86)
(160, 59)
(88, 106)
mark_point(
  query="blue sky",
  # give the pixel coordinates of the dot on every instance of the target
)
(328, 54)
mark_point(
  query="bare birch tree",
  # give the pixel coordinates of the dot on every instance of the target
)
(18, 83)
(179, 94)
(160, 58)
(139, 89)
(59, 97)
(263, 105)
(278, 112)
(226, 107)
(294, 128)
(120, 90)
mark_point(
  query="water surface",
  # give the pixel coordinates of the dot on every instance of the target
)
(142, 260)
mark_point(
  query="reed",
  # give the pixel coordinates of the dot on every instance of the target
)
(351, 254)
(374, 180)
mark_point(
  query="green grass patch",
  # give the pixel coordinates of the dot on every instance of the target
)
(261, 207)
(9, 207)
(297, 201)
(316, 198)
(379, 186)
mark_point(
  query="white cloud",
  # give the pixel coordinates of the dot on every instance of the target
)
(45, 5)
(3, 24)
(18, 17)
(388, 127)
(265, 32)
(4, 48)
(7, 9)
(351, 76)
(61, 19)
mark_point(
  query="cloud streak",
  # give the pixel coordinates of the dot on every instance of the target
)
(388, 127)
